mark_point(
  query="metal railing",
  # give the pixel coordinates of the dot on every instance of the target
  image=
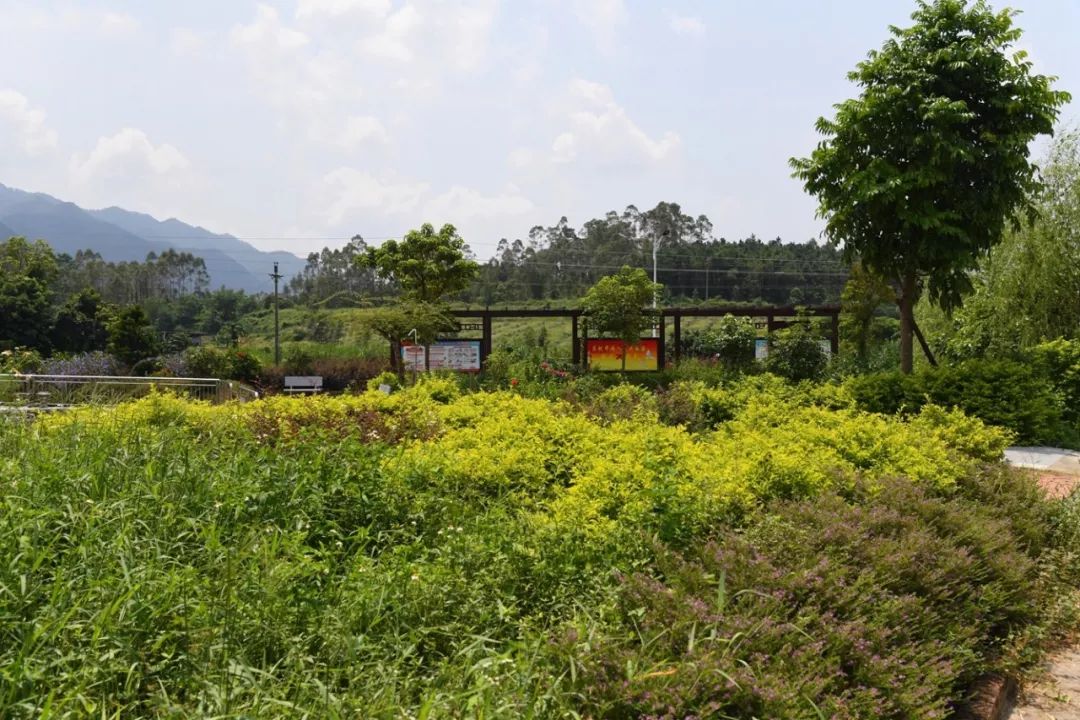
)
(68, 390)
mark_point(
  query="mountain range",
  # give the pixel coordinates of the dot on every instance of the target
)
(119, 235)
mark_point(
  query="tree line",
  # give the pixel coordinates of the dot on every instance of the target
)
(72, 304)
(561, 262)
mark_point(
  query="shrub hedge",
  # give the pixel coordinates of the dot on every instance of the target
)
(1000, 392)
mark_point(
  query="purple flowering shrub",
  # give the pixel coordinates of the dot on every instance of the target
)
(886, 607)
(91, 363)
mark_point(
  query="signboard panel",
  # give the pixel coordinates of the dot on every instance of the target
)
(606, 355)
(761, 348)
(463, 355)
(412, 357)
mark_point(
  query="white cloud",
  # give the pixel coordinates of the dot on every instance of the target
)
(26, 124)
(334, 9)
(470, 28)
(351, 198)
(600, 126)
(187, 42)
(286, 72)
(393, 41)
(521, 158)
(347, 194)
(602, 18)
(359, 130)
(118, 23)
(564, 148)
(267, 33)
(128, 169)
(460, 204)
(687, 25)
(69, 19)
(128, 153)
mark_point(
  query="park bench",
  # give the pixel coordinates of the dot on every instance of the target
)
(307, 384)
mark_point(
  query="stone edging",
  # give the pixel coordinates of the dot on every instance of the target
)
(994, 698)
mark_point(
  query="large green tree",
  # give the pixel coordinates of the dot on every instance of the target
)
(619, 305)
(131, 336)
(427, 265)
(921, 173)
(81, 323)
(27, 271)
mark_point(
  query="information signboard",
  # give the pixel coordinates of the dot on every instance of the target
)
(463, 355)
(412, 357)
(606, 355)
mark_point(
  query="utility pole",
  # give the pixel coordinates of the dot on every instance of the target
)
(708, 261)
(277, 325)
(655, 246)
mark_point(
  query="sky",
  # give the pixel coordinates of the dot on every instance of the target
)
(296, 124)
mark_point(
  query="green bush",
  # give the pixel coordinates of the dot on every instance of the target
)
(242, 365)
(230, 363)
(1059, 362)
(298, 361)
(825, 608)
(795, 353)
(730, 341)
(21, 360)
(206, 361)
(390, 379)
(999, 392)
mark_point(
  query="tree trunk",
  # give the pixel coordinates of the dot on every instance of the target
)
(907, 321)
(396, 363)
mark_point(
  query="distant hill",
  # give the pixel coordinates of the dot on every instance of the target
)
(120, 235)
(6, 232)
(198, 240)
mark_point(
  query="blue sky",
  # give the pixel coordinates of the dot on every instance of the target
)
(298, 123)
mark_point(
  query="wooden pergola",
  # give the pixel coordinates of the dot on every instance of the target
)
(776, 317)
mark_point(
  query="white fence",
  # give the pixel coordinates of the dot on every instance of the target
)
(67, 390)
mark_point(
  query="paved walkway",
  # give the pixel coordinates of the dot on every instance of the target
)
(1054, 460)
(1058, 470)
(1055, 696)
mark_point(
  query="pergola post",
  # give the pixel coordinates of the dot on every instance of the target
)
(575, 348)
(677, 321)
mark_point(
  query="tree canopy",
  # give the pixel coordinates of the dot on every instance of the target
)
(427, 265)
(27, 271)
(919, 175)
(1028, 290)
(619, 305)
